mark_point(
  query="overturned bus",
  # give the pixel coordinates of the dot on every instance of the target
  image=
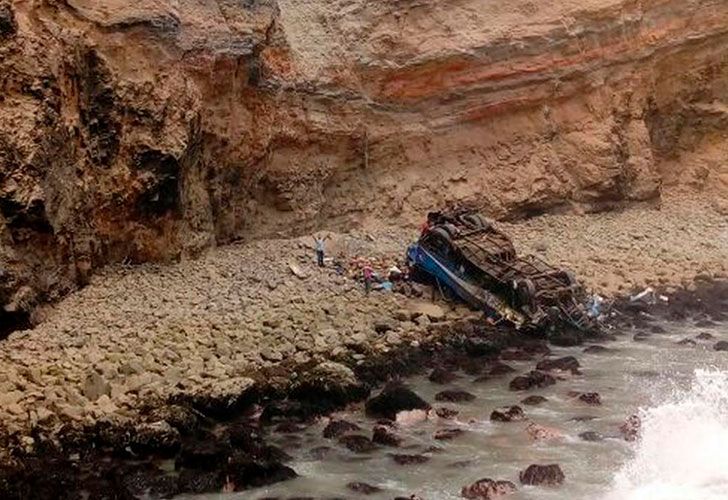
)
(462, 251)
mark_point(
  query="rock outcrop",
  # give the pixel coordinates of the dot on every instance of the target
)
(154, 129)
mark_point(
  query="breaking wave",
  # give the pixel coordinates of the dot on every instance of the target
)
(683, 450)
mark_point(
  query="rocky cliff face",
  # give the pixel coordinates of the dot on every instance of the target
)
(153, 129)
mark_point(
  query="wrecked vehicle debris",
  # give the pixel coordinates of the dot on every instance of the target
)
(463, 252)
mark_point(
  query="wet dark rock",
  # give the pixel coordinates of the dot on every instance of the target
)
(363, 488)
(337, 428)
(640, 336)
(403, 459)
(444, 412)
(200, 481)
(596, 349)
(705, 336)
(461, 464)
(472, 367)
(440, 375)
(8, 26)
(582, 418)
(447, 434)
(591, 436)
(358, 443)
(534, 400)
(454, 396)
(328, 387)
(181, 418)
(657, 329)
(499, 368)
(385, 437)
(206, 453)
(630, 429)
(288, 411)
(244, 473)
(488, 489)
(567, 363)
(394, 399)
(289, 428)
(590, 398)
(548, 475)
(411, 497)
(158, 438)
(533, 379)
(721, 346)
(508, 414)
(479, 347)
(687, 342)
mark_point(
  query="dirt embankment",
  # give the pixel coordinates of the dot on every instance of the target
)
(151, 131)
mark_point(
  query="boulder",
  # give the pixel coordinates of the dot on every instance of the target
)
(721, 346)
(596, 349)
(516, 354)
(488, 489)
(567, 363)
(499, 368)
(630, 429)
(337, 428)
(641, 336)
(403, 459)
(244, 473)
(219, 397)
(8, 26)
(687, 342)
(358, 443)
(444, 412)
(542, 475)
(591, 436)
(440, 375)
(534, 400)
(363, 488)
(329, 386)
(705, 336)
(454, 396)
(533, 379)
(565, 338)
(541, 433)
(590, 398)
(382, 435)
(508, 414)
(393, 399)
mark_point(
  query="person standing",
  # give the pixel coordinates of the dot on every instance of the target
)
(368, 276)
(320, 249)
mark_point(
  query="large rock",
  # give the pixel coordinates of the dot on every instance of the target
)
(568, 363)
(531, 380)
(508, 414)
(221, 398)
(8, 26)
(337, 428)
(433, 312)
(394, 399)
(542, 475)
(488, 489)
(329, 386)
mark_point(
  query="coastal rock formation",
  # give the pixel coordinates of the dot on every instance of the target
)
(151, 130)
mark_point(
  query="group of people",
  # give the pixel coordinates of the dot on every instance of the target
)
(369, 276)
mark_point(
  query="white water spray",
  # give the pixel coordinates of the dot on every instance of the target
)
(683, 450)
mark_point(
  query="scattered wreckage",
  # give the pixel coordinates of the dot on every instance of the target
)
(462, 251)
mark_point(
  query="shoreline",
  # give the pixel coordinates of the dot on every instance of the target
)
(229, 428)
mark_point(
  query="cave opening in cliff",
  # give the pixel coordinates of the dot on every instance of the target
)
(12, 322)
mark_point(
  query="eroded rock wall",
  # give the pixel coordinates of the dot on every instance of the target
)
(134, 131)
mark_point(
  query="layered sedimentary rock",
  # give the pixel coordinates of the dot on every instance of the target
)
(134, 131)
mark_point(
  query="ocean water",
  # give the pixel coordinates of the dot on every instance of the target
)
(680, 393)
